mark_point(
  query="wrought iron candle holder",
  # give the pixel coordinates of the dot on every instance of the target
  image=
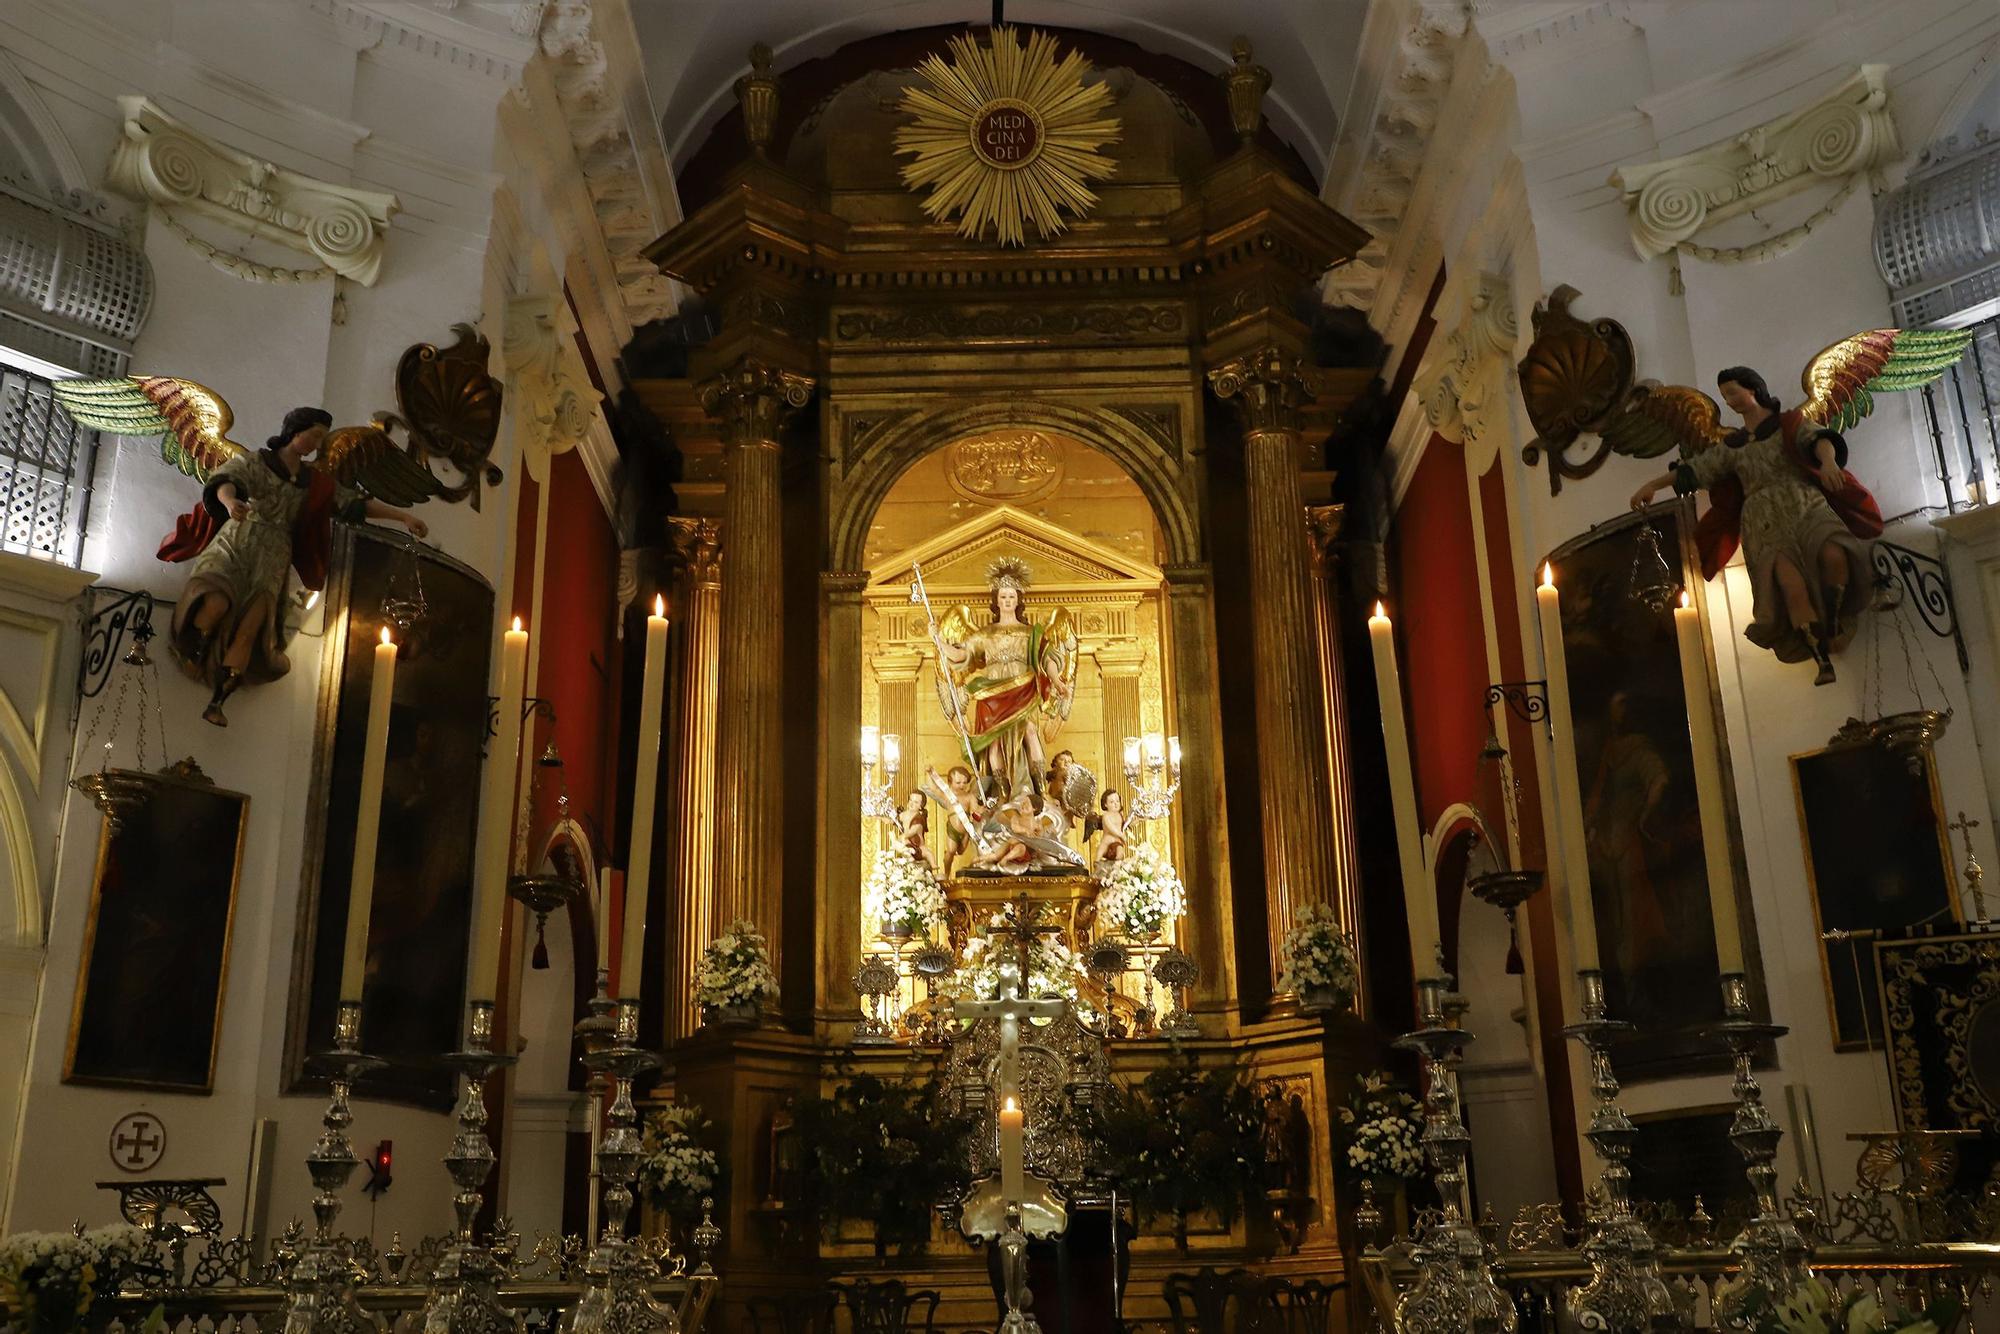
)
(617, 1274)
(319, 1291)
(464, 1294)
(1772, 1251)
(1626, 1293)
(1176, 970)
(1454, 1292)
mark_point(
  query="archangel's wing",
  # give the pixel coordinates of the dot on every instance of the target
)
(1058, 660)
(953, 630)
(366, 457)
(191, 419)
(1655, 418)
(1079, 794)
(1842, 381)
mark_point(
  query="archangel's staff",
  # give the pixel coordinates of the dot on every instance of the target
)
(922, 597)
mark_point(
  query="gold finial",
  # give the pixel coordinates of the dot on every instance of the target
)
(757, 93)
(1247, 83)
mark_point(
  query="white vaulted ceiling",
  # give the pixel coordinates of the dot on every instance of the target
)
(694, 50)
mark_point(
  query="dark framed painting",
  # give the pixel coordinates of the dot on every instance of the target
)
(1878, 862)
(413, 998)
(148, 1010)
(1635, 770)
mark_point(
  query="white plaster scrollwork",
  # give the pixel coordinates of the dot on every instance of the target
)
(1463, 386)
(159, 160)
(1843, 136)
(547, 385)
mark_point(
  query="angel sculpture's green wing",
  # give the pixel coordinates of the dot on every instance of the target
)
(1842, 381)
(191, 419)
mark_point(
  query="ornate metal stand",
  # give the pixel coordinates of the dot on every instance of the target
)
(1013, 1245)
(1773, 1252)
(615, 1298)
(319, 1292)
(1626, 1293)
(464, 1295)
(1454, 1292)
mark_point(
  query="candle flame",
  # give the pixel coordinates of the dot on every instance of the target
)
(659, 605)
(1381, 612)
(517, 625)
(385, 636)
(1548, 575)
(1684, 598)
(1012, 1106)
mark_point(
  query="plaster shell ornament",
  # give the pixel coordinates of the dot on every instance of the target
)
(1781, 490)
(1005, 134)
(262, 515)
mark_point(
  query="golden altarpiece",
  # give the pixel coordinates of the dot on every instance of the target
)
(880, 392)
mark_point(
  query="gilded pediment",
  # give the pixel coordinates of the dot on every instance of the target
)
(958, 558)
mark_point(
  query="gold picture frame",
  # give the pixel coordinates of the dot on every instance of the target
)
(1875, 820)
(154, 968)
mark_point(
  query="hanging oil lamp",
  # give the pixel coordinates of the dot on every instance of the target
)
(120, 793)
(561, 886)
(1654, 583)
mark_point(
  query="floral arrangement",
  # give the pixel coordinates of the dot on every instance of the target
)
(678, 1169)
(48, 1280)
(1141, 892)
(1316, 954)
(1815, 1307)
(1054, 969)
(884, 1152)
(902, 893)
(1382, 1131)
(735, 970)
(1185, 1140)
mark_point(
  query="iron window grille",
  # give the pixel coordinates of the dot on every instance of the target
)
(47, 466)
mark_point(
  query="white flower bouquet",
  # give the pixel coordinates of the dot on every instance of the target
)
(1141, 892)
(678, 1169)
(1317, 956)
(901, 894)
(48, 1280)
(1815, 1307)
(735, 971)
(1054, 969)
(1382, 1131)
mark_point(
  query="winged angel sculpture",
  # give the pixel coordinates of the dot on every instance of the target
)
(1778, 485)
(262, 515)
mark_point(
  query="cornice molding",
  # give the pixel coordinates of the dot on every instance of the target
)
(160, 160)
(1847, 132)
(432, 31)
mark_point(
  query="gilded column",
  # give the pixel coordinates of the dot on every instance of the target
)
(1323, 533)
(896, 678)
(1119, 665)
(1204, 841)
(1268, 388)
(692, 921)
(749, 401)
(838, 919)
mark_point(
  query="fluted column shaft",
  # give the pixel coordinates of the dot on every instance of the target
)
(838, 921)
(1294, 793)
(698, 608)
(1323, 532)
(1204, 837)
(750, 402)
(896, 680)
(1119, 666)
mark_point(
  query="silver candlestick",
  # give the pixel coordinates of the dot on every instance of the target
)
(1773, 1252)
(1626, 1293)
(1454, 1292)
(464, 1295)
(618, 1273)
(319, 1291)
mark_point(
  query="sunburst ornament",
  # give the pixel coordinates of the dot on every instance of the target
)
(1005, 134)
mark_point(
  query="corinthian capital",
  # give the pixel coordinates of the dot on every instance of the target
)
(751, 399)
(1268, 387)
(697, 545)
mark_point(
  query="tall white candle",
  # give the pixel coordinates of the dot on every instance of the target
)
(645, 783)
(368, 820)
(1574, 902)
(603, 920)
(1708, 788)
(496, 820)
(1419, 897)
(1013, 1157)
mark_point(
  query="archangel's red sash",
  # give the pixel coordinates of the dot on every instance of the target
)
(1719, 531)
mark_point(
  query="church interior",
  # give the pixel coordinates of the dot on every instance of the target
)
(1024, 666)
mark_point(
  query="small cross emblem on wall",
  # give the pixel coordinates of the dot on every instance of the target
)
(138, 1142)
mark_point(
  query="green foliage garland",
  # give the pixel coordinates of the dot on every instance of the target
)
(883, 1151)
(1184, 1140)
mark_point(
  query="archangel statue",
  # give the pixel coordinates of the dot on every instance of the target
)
(1779, 485)
(261, 517)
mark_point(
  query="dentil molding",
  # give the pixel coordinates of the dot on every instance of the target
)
(161, 161)
(1844, 134)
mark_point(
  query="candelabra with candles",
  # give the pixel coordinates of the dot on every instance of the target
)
(465, 1290)
(1159, 759)
(1773, 1252)
(617, 1274)
(886, 753)
(320, 1288)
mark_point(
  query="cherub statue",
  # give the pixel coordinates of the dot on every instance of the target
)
(1780, 485)
(913, 825)
(261, 515)
(1008, 685)
(1111, 826)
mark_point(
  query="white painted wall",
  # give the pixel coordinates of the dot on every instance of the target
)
(1591, 87)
